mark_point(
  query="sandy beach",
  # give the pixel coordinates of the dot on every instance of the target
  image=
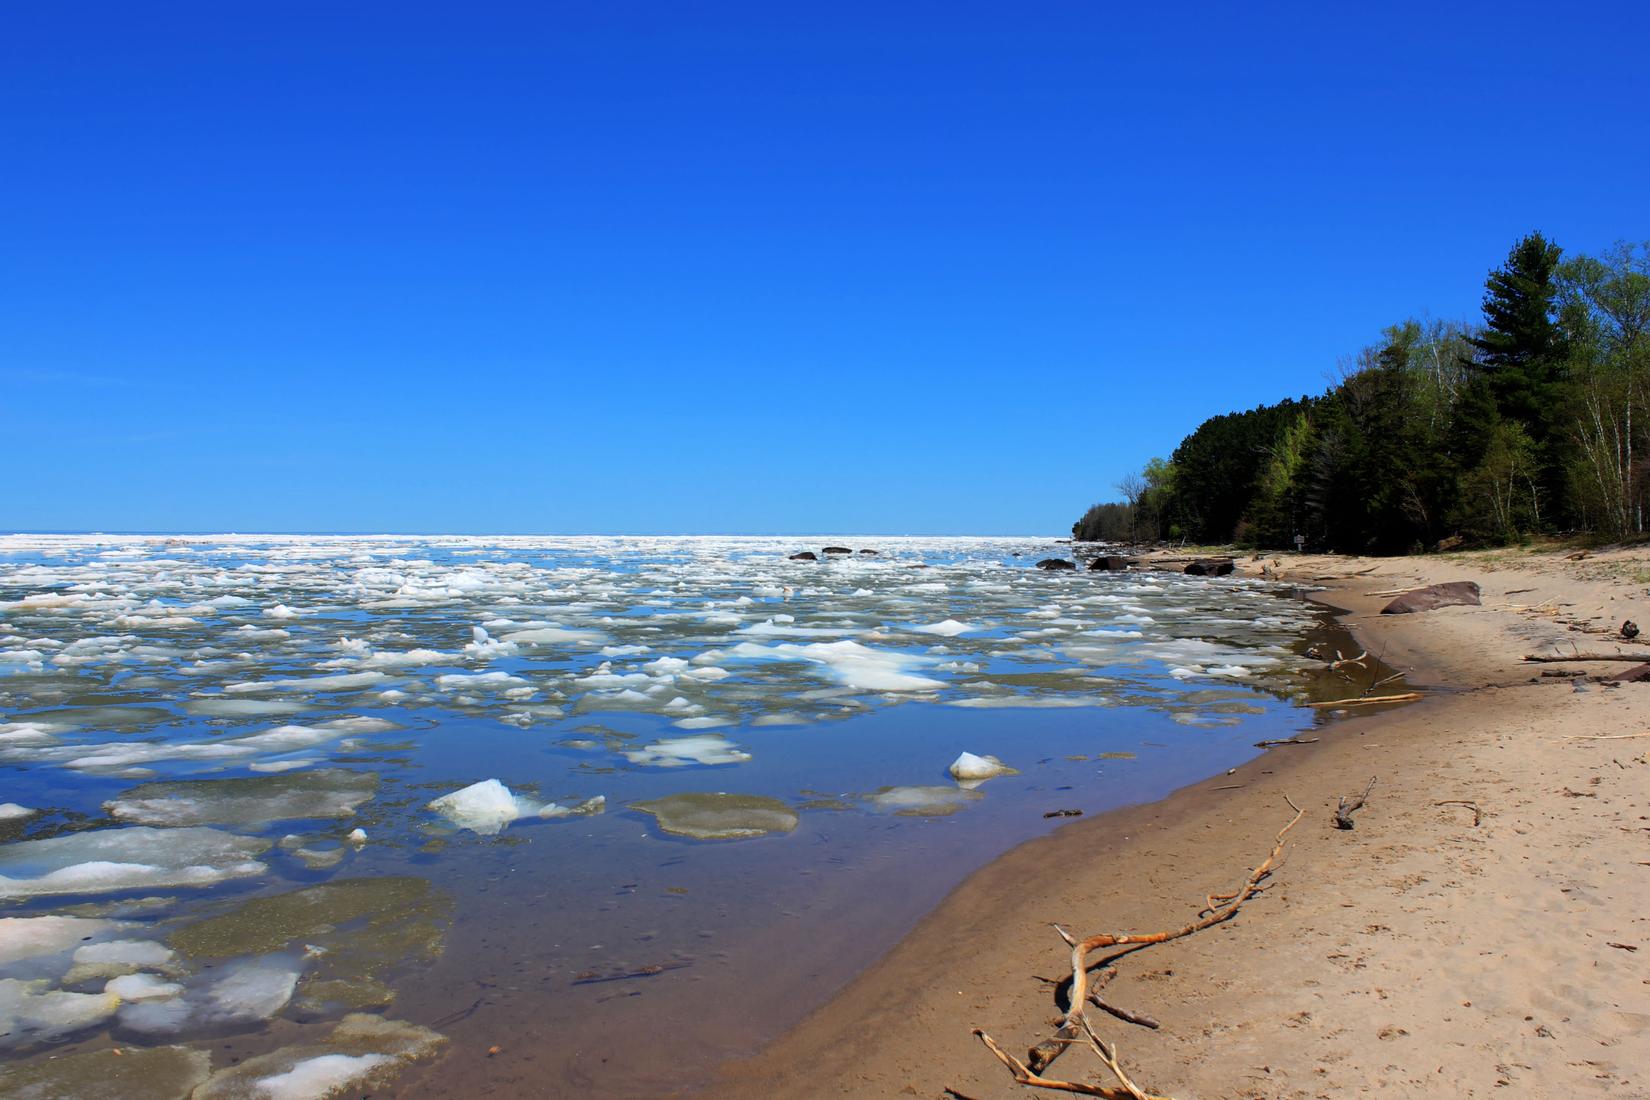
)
(1419, 954)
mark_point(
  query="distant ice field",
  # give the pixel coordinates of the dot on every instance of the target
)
(335, 782)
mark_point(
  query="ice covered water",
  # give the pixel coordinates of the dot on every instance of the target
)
(342, 809)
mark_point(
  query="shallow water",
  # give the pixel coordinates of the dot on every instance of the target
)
(227, 711)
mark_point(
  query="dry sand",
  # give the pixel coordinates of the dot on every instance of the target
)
(1417, 955)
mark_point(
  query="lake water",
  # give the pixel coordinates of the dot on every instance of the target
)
(694, 786)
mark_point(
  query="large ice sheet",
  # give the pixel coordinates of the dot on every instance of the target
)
(105, 860)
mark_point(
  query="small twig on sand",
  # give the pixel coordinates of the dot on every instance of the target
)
(1477, 814)
(1348, 807)
(1605, 736)
(1287, 741)
(1124, 1014)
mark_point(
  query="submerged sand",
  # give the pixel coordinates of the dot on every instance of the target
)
(1419, 954)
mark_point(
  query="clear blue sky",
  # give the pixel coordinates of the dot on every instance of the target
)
(765, 267)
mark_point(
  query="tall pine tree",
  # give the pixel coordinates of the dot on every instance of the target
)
(1522, 350)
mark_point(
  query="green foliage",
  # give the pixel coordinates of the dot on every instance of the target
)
(1536, 421)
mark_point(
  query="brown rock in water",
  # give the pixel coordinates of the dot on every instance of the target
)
(1210, 567)
(1054, 565)
(867, 551)
(1434, 596)
(838, 550)
(806, 555)
(1109, 563)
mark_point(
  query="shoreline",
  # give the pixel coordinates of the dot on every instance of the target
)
(1413, 954)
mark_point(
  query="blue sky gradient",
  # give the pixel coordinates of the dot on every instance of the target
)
(617, 267)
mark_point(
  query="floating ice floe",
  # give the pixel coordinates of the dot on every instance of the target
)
(719, 816)
(676, 752)
(141, 1073)
(104, 860)
(850, 663)
(922, 801)
(948, 628)
(237, 995)
(970, 768)
(362, 1055)
(488, 806)
(11, 811)
(118, 958)
(320, 793)
(30, 937)
(32, 1012)
(343, 681)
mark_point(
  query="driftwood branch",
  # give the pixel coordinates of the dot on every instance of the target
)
(1287, 741)
(1560, 659)
(1024, 1075)
(1363, 701)
(1350, 806)
(1221, 909)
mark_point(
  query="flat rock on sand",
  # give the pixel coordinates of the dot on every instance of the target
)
(1434, 596)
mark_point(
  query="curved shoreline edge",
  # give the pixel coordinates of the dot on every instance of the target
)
(1415, 954)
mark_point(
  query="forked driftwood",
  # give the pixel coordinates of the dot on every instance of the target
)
(1024, 1075)
(1074, 1025)
(1342, 662)
(1350, 806)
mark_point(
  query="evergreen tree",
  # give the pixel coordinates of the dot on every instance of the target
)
(1521, 348)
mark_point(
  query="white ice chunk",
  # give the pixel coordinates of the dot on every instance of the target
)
(949, 628)
(488, 806)
(319, 1077)
(969, 767)
(142, 987)
(11, 811)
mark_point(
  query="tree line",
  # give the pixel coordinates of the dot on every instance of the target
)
(1532, 421)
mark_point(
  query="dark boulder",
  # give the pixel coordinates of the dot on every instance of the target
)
(1452, 594)
(1054, 565)
(838, 550)
(871, 552)
(1210, 567)
(1629, 630)
(1638, 674)
(806, 555)
(1109, 563)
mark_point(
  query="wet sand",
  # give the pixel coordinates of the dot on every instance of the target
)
(1416, 955)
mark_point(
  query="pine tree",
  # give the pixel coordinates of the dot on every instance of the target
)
(1522, 350)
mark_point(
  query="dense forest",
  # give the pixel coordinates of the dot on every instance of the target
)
(1529, 422)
